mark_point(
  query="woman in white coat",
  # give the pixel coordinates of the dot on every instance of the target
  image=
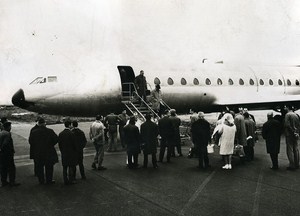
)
(227, 131)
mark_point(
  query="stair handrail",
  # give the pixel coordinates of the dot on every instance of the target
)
(147, 105)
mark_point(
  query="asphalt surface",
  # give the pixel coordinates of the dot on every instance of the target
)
(178, 188)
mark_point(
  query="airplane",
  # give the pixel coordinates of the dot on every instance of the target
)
(84, 56)
(209, 89)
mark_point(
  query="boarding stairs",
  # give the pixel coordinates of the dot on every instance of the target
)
(136, 105)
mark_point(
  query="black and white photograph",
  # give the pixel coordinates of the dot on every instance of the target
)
(149, 107)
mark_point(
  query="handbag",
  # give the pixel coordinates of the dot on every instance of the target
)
(210, 148)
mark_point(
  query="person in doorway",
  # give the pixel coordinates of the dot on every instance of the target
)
(141, 85)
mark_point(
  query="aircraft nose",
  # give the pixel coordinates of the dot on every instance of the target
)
(18, 99)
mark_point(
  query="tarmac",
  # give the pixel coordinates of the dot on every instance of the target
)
(176, 188)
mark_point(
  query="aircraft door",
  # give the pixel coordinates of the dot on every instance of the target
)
(127, 79)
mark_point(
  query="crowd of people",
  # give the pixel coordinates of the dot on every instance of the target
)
(233, 133)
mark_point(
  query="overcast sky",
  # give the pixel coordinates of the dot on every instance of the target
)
(84, 36)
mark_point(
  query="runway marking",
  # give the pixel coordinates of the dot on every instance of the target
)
(196, 194)
(257, 194)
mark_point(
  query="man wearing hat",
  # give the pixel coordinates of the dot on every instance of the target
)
(201, 137)
(42, 141)
(7, 164)
(149, 133)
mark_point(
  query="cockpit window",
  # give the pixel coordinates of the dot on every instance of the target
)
(38, 80)
(52, 78)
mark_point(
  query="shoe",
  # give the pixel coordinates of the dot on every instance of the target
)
(225, 167)
(102, 168)
(180, 155)
(14, 184)
(4, 184)
(50, 182)
(94, 166)
(83, 177)
(155, 167)
(229, 166)
(290, 168)
(274, 168)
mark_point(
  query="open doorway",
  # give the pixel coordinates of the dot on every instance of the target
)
(127, 79)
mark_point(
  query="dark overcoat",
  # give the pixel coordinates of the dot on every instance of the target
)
(80, 142)
(42, 141)
(132, 138)
(149, 133)
(68, 148)
(200, 130)
(271, 132)
(176, 132)
(141, 84)
(165, 127)
(31, 148)
(6, 144)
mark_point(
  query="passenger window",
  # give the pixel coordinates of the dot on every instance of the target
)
(241, 82)
(271, 82)
(207, 81)
(170, 81)
(219, 81)
(251, 82)
(230, 82)
(156, 81)
(196, 81)
(288, 82)
(261, 82)
(280, 82)
(183, 81)
(297, 82)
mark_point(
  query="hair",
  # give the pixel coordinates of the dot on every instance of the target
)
(246, 115)
(75, 123)
(148, 116)
(67, 123)
(132, 120)
(6, 125)
(3, 119)
(98, 117)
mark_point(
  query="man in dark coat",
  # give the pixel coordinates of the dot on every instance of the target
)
(69, 153)
(271, 132)
(132, 141)
(42, 141)
(31, 148)
(176, 141)
(166, 133)
(149, 133)
(80, 145)
(200, 130)
(7, 151)
(250, 133)
(141, 85)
